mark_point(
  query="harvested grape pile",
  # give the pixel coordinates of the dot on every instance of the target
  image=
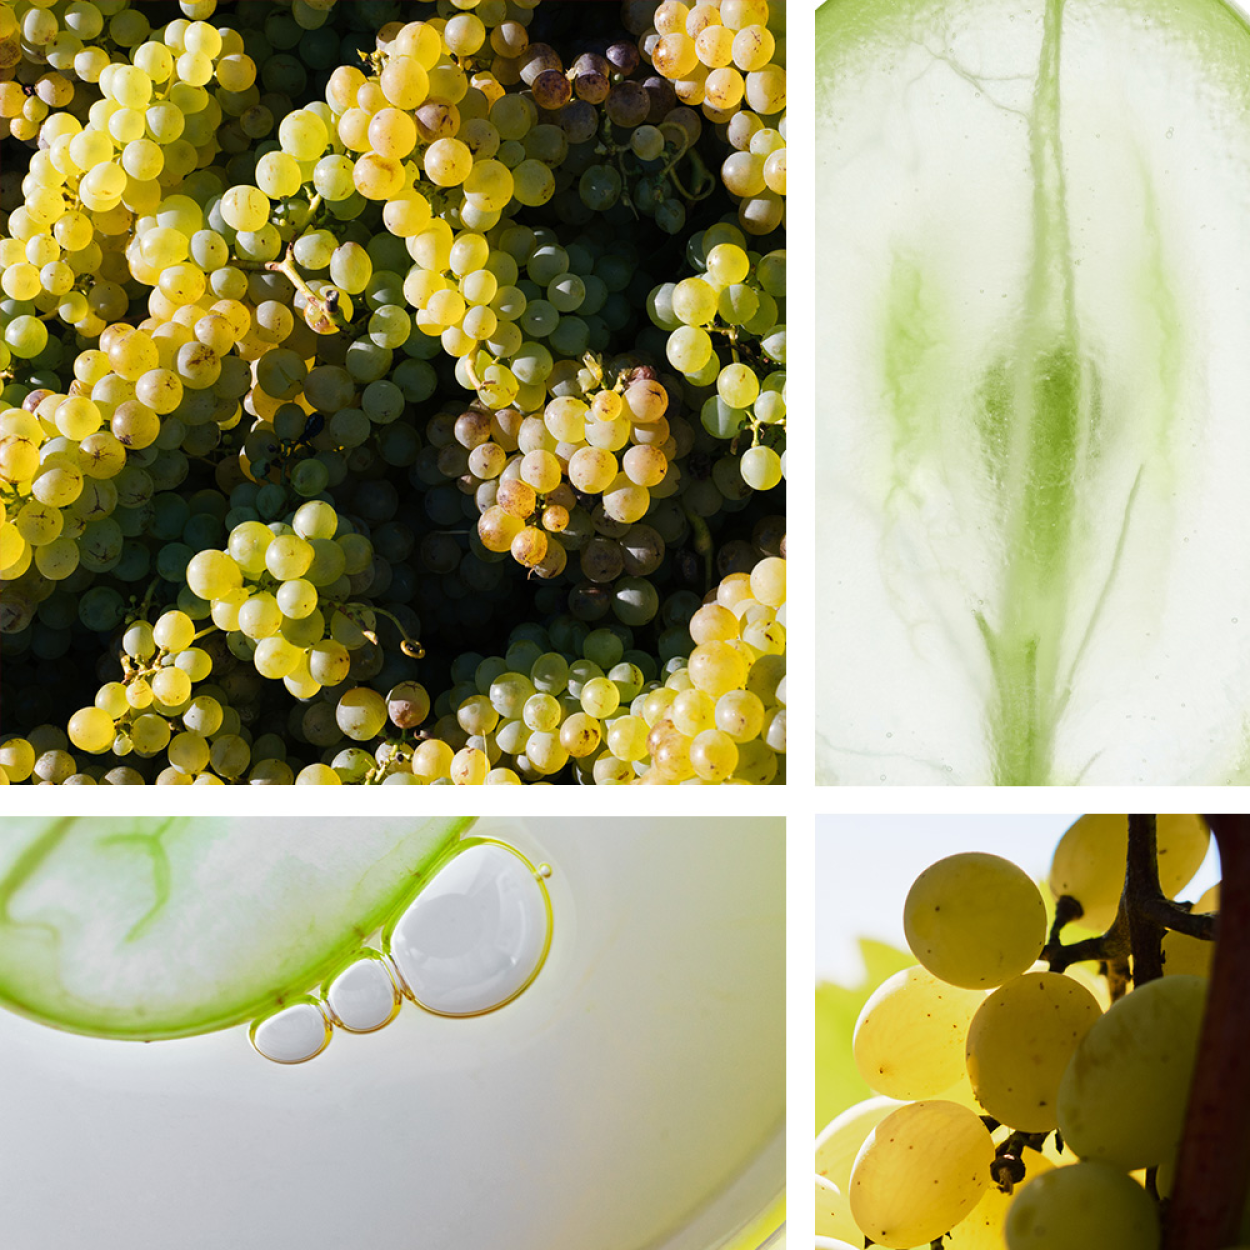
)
(1026, 1105)
(393, 393)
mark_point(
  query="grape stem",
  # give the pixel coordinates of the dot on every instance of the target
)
(409, 646)
(1144, 914)
(1213, 1168)
(323, 318)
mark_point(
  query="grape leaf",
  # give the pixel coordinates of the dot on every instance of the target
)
(838, 1082)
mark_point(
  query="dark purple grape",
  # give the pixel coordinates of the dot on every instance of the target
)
(440, 553)
(578, 120)
(628, 104)
(593, 88)
(453, 461)
(736, 556)
(688, 120)
(592, 63)
(602, 560)
(624, 58)
(663, 98)
(769, 535)
(551, 90)
(642, 550)
(536, 59)
(588, 602)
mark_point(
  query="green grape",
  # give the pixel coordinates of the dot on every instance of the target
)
(1019, 1045)
(17, 758)
(245, 208)
(840, 1140)
(188, 753)
(203, 715)
(542, 713)
(694, 301)
(404, 82)
(761, 468)
(1183, 954)
(1122, 1098)
(833, 1216)
(315, 520)
(351, 268)
(333, 177)
(150, 734)
(689, 348)
(911, 1034)
(275, 657)
(919, 1172)
(1090, 860)
(297, 598)
(313, 250)
(713, 755)
(1088, 1206)
(303, 134)
(26, 336)
(213, 574)
(288, 557)
(600, 698)
(171, 687)
(361, 713)
(278, 175)
(260, 617)
(139, 641)
(91, 729)
(975, 920)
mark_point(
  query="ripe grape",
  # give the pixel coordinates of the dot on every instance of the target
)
(1019, 1045)
(911, 1035)
(1089, 862)
(1089, 1206)
(181, 413)
(975, 920)
(1122, 1098)
(919, 1172)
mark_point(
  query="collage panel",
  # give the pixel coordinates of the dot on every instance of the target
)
(1030, 224)
(1028, 1036)
(445, 1033)
(392, 392)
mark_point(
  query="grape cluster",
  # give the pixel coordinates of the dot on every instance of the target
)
(729, 59)
(333, 333)
(1017, 1106)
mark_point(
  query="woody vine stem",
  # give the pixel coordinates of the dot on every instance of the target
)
(1205, 1208)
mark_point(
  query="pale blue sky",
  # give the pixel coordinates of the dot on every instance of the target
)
(866, 864)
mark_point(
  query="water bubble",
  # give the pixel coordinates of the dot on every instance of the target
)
(293, 1035)
(363, 997)
(476, 935)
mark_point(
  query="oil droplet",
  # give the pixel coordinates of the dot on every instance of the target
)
(544, 870)
(476, 935)
(293, 1035)
(363, 997)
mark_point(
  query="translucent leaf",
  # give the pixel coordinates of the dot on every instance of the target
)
(161, 928)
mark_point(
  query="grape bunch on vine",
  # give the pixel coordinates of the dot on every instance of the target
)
(392, 393)
(1071, 1079)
